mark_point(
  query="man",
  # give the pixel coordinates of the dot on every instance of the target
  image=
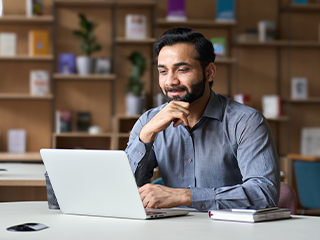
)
(212, 152)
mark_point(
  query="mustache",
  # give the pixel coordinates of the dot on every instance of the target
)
(175, 89)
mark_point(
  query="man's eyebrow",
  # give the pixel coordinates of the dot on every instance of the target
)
(176, 64)
(181, 64)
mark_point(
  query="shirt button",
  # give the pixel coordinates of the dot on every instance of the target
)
(140, 153)
(203, 207)
(189, 186)
(189, 160)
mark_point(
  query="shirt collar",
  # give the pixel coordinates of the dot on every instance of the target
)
(215, 107)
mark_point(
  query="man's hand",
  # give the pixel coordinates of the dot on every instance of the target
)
(158, 196)
(176, 112)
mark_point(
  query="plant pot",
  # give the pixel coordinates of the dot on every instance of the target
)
(134, 104)
(84, 65)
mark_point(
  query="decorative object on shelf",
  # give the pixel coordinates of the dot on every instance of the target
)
(310, 141)
(299, 88)
(67, 63)
(271, 106)
(8, 44)
(83, 121)
(136, 26)
(266, 30)
(34, 7)
(39, 82)
(243, 99)
(39, 43)
(300, 1)
(63, 121)
(219, 45)
(95, 129)
(102, 65)
(250, 34)
(88, 44)
(225, 10)
(135, 101)
(17, 140)
(176, 10)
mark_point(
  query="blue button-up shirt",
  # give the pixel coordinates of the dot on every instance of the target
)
(228, 159)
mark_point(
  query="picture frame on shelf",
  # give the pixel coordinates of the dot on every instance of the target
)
(310, 141)
(299, 88)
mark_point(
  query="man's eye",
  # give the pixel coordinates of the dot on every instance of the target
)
(183, 70)
(162, 71)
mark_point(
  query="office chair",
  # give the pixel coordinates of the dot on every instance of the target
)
(158, 181)
(308, 182)
(288, 198)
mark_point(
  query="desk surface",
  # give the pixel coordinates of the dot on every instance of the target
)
(194, 226)
(22, 174)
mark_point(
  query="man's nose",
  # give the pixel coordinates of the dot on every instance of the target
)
(172, 79)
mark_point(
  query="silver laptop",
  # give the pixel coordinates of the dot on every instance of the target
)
(97, 183)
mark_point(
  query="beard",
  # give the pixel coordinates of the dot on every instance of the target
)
(196, 92)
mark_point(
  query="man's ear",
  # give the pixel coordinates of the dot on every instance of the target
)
(210, 71)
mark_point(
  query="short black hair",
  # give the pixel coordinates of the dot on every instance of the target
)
(202, 45)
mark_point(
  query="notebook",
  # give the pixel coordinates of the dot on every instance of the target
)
(97, 183)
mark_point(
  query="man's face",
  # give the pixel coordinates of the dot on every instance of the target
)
(181, 77)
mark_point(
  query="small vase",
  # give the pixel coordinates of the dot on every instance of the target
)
(84, 65)
(134, 104)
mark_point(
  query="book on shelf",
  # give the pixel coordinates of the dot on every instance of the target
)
(8, 44)
(39, 43)
(39, 82)
(34, 7)
(176, 10)
(271, 106)
(250, 215)
(310, 141)
(136, 26)
(299, 88)
(243, 99)
(220, 47)
(83, 121)
(63, 121)
(225, 10)
(266, 30)
(66, 63)
(17, 139)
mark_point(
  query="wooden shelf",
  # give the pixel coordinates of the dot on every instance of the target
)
(90, 77)
(278, 119)
(27, 58)
(279, 43)
(135, 41)
(24, 96)
(20, 157)
(308, 100)
(225, 61)
(275, 43)
(82, 134)
(85, 3)
(25, 19)
(303, 8)
(195, 23)
(303, 157)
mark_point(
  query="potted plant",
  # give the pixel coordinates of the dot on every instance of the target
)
(88, 44)
(135, 99)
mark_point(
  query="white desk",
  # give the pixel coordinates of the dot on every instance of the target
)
(194, 226)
